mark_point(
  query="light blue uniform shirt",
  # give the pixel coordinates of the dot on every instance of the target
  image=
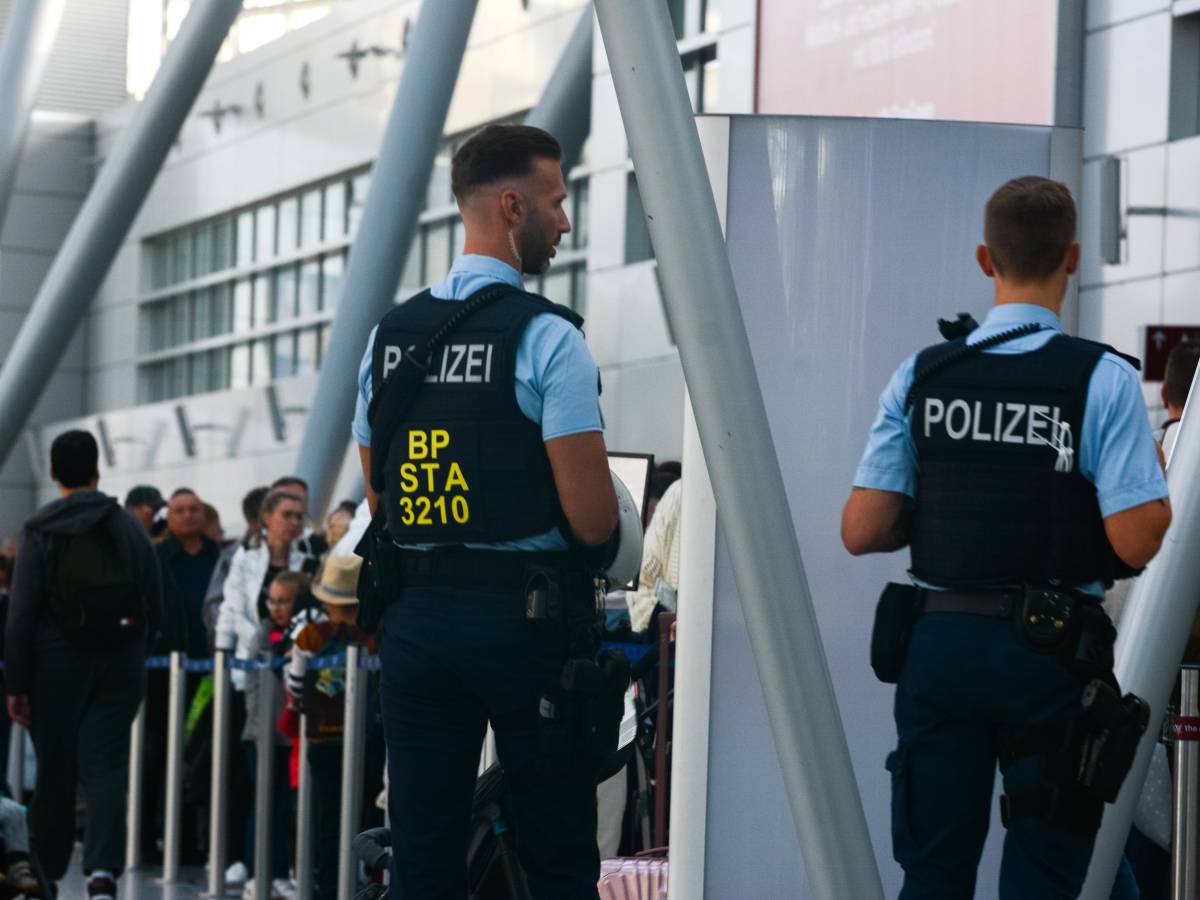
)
(1116, 449)
(557, 383)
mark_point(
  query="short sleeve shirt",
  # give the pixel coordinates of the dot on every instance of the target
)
(1116, 448)
(557, 383)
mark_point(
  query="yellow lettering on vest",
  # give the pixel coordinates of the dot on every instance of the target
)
(455, 478)
(440, 441)
(418, 444)
(408, 477)
(430, 471)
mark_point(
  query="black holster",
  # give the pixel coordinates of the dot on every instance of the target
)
(378, 579)
(897, 610)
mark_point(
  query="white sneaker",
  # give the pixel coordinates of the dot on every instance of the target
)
(236, 874)
(248, 891)
(283, 889)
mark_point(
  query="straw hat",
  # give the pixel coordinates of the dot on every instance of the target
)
(339, 581)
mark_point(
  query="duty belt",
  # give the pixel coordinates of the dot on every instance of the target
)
(997, 604)
(485, 570)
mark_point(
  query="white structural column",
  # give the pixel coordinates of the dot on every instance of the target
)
(1155, 625)
(28, 40)
(389, 221)
(752, 504)
(109, 210)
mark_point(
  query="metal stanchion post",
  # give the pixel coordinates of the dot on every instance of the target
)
(352, 758)
(174, 785)
(264, 782)
(1185, 880)
(16, 762)
(304, 824)
(218, 782)
(133, 794)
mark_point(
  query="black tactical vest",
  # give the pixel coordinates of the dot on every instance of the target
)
(466, 465)
(1000, 499)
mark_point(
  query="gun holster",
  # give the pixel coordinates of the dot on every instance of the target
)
(897, 610)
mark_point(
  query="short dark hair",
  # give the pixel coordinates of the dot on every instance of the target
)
(277, 496)
(252, 502)
(1181, 369)
(348, 506)
(181, 492)
(1029, 226)
(74, 459)
(144, 495)
(499, 151)
(289, 479)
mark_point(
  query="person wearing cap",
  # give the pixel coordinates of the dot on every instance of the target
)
(320, 694)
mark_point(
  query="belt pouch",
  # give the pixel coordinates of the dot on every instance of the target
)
(894, 617)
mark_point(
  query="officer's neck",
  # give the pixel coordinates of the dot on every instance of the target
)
(1048, 294)
(498, 248)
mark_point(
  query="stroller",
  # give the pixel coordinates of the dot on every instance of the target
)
(493, 872)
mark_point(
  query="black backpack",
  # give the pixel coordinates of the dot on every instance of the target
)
(96, 599)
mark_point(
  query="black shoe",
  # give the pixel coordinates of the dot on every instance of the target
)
(101, 888)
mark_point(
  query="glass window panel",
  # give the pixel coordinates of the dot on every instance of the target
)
(710, 85)
(239, 366)
(243, 305)
(437, 251)
(178, 377)
(264, 300)
(264, 232)
(310, 219)
(309, 288)
(260, 361)
(333, 270)
(678, 12)
(335, 211)
(438, 194)
(199, 381)
(556, 285)
(306, 351)
(223, 249)
(289, 224)
(245, 239)
(178, 321)
(218, 369)
(201, 315)
(285, 293)
(412, 266)
(160, 264)
(181, 257)
(222, 309)
(284, 362)
(579, 221)
(203, 251)
(359, 185)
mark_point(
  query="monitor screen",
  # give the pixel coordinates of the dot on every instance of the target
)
(634, 470)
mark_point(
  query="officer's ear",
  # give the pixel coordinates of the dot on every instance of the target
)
(512, 206)
(984, 258)
(1072, 259)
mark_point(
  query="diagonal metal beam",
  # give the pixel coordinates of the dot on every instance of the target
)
(565, 107)
(107, 214)
(24, 55)
(752, 505)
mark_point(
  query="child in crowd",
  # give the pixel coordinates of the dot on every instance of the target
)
(287, 591)
(320, 694)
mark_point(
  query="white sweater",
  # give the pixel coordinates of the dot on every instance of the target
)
(237, 619)
(660, 558)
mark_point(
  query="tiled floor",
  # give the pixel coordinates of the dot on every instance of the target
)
(140, 886)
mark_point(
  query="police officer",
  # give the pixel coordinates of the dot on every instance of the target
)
(1018, 466)
(496, 485)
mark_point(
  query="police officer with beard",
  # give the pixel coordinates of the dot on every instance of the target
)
(496, 490)
(1018, 466)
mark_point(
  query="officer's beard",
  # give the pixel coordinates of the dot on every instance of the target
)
(531, 248)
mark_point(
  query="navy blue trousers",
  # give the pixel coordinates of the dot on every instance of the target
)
(969, 687)
(453, 660)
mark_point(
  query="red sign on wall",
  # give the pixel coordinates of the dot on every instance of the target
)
(1160, 339)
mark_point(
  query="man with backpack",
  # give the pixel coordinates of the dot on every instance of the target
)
(86, 597)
